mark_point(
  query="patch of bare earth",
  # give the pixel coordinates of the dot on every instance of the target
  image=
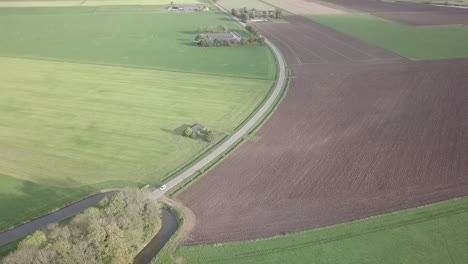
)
(303, 7)
(360, 132)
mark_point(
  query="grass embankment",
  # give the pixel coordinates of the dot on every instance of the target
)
(437, 2)
(433, 234)
(131, 37)
(412, 42)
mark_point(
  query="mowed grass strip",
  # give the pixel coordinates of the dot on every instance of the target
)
(132, 37)
(412, 42)
(65, 124)
(433, 234)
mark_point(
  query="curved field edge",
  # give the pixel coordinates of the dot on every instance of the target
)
(46, 201)
(129, 37)
(431, 234)
(412, 42)
(250, 135)
(118, 123)
(166, 255)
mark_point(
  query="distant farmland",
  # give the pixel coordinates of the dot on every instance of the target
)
(127, 37)
(413, 42)
(94, 99)
(61, 3)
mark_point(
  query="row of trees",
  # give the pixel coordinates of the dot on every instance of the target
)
(204, 41)
(213, 29)
(245, 14)
(113, 232)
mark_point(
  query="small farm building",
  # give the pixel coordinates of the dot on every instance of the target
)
(197, 129)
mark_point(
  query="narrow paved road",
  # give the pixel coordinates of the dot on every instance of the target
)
(67, 211)
(279, 85)
(29, 227)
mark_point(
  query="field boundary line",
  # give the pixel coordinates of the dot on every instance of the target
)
(237, 137)
(132, 67)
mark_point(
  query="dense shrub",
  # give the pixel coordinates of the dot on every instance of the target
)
(113, 232)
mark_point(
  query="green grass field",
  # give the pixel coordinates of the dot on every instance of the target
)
(441, 2)
(128, 37)
(433, 234)
(67, 124)
(416, 43)
(58, 3)
(19, 199)
(94, 98)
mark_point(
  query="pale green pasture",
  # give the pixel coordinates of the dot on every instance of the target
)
(66, 124)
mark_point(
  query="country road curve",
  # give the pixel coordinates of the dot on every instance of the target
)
(37, 223)
(279, 85)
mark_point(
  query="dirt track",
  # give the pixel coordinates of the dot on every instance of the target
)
(361, 132)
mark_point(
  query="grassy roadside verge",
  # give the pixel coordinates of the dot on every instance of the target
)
(432, 234)
(212, 164)
(166, 254)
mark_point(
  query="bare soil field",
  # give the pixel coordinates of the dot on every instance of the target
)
(305, 42)
(408, 13)
(303, 7)
(361, 132)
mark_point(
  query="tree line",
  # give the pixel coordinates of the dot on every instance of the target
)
(112, 232)
(203, 40)
(245, 14)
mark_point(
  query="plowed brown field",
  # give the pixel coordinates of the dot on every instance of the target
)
(408, 13)
(361, 132)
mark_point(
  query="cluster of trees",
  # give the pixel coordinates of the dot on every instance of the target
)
(245, 14)
(255, 40)
(213, 29)
(113, 232)
(206, 134)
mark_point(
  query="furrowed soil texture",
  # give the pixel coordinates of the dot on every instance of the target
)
(361, 132)
(432, 234)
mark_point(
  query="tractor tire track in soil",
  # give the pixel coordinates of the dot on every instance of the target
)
(361, 132)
